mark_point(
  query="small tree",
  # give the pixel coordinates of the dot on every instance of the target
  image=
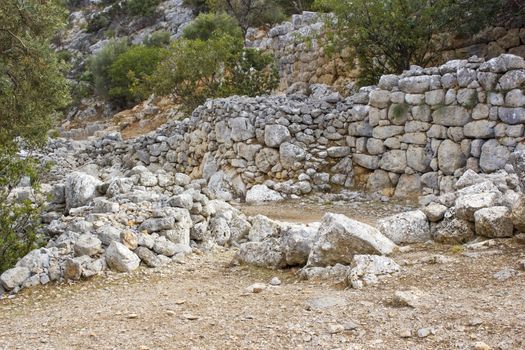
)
(250, 13)
(207, 25)
(195, 70)
(100, 63)
(387, 36)
(33, 90)
(128, 71)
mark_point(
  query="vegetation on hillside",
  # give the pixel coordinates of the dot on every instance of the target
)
(32, 92)
(387, 36)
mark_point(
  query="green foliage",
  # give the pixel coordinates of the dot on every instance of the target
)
(144, 8)
(208, 24)
(387, 36)
(98, 22)
(100, 63)
(129, 70)
(250, 13)
(254, 73)
(197, 69)
(19, 219)
(198, 6)
(160, 38)
(32, 93)
(295, 6)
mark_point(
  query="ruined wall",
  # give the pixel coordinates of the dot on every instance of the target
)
(299, 46)
(415, 132)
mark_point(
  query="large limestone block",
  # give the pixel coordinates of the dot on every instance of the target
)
(80, 189)
(493, 222)
(262, 254)
(405, 228)
(340, 238)
(493, 156)
(120, 258)
(467, 205)
(275, 135)
(394, 161)
(14, 277)
(451, 116)
(261, 193)
(450, 157)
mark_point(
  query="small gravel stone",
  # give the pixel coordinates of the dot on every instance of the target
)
(275, 281)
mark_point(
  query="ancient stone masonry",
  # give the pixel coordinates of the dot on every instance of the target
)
(299, 49)
(413, 133)
(489, 43)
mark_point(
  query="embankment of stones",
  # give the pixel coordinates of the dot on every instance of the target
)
(414, 133)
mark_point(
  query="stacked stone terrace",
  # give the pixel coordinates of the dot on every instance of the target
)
(413, 133)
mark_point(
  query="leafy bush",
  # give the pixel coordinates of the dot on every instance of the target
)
(145, 8)
(19, 219)
(250, 13)
(195, 70)
(98, 22)
(387, 36)
(32, 92)
(100, 63)
(198, 6)
(160, 38)
(129, 70)
(208, 24)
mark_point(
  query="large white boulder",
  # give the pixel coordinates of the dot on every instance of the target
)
(494, 222)
(14, 277)
(120, 258)
(80, 189)
(261, 193)
(340, 238)
(405, 228)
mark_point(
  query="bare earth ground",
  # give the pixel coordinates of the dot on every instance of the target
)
(203, 304)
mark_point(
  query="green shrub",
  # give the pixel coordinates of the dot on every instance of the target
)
(195, 70)
(100, 63)
(250, 13)
(128, 72)
(144, 8)
(19, 219)
(98, 22)
(387, 36)
(33, 91)
(160, 38)
(198, 6)
(208, 24)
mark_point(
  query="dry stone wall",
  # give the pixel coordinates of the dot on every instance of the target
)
(299, 47)
(413, 133)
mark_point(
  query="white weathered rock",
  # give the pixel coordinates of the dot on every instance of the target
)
(340, 238)
(14, 277)
(120, 258)
(467, 205)
(434, 211)
(261, 193)
(454, 231)
(88, 244)
(297, 242)
(405, 228)
(263, 254)
(80, 189)
(494, 222)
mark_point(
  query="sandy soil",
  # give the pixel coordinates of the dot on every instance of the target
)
(203, 304)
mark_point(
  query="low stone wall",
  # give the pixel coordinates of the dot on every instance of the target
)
(414, 133)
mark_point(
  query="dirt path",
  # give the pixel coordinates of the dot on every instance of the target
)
(203, 304)
(304, 211)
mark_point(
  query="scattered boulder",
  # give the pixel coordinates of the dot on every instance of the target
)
(120, 258)
(340, 238)
(80, 189)
(262, 254)
(493, 222)
(14, 277)
(405, 228)
(261, 193)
